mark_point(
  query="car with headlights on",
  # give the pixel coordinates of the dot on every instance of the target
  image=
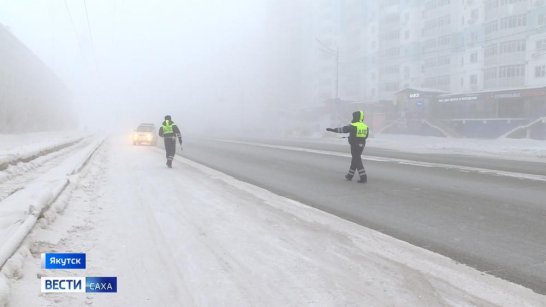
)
(145, 134)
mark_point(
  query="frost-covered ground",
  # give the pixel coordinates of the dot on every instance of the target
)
(516, 149)
(21, 146)
(192, 236)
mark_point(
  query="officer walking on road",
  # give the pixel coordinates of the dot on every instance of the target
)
(170, 132)
(358, 133)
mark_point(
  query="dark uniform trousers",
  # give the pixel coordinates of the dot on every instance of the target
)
(356, 160)
(170, 147)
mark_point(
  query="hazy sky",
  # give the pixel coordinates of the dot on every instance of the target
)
(138, 60)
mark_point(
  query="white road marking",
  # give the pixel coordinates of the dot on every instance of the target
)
(401, 161)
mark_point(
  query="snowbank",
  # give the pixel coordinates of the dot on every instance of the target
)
(20, 211)
(24, 147)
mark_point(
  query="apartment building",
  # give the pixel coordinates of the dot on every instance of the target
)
(379, 48)
(454, 46)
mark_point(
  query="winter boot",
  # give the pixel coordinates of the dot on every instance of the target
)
(350, 175)
(363, 176)
(169, 163)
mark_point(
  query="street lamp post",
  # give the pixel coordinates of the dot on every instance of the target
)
(325, 48)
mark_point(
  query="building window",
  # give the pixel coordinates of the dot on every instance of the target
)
(436, 61)
(541, 19)
(392, 52)
(436, 23)
(505, 2)
(541, 45)
(490, 74)
(436, 3)
(540, 71)
(392, 69)
(473, 80)
(491, 27)
(512, 46)
(391, 35)
(490, 50)
(491, 4)
(474, 57)
(474, 37)
(511, 71)
(391, 86)
(441, 82)
(513, 21)
(444, 40)
(474, 14)
(429, 44)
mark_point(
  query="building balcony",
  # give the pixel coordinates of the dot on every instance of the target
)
(504, 83)
(506, 10)
(505, 59)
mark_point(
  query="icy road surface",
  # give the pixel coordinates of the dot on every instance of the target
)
(485, 212)
(192, 236)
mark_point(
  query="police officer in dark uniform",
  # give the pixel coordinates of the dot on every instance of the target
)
(358, 133)
(169, 132)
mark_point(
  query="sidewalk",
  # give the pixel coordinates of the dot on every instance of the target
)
(192, 236)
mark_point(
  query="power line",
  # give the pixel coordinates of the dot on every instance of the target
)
(91, 42)
(118, 10)
(73, 26)
(87, 19)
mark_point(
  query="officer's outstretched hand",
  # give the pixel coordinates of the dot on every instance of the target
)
(330, 129)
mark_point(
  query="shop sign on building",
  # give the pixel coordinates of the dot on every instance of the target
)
(457, 99)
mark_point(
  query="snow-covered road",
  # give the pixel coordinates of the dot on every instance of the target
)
(192, 236)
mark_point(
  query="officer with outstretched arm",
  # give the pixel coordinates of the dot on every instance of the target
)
(358, 133)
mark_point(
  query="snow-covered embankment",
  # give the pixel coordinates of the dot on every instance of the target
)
(20, 210)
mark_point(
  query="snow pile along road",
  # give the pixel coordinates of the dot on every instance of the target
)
(20, 210)
(15, 148)
(192, 236)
